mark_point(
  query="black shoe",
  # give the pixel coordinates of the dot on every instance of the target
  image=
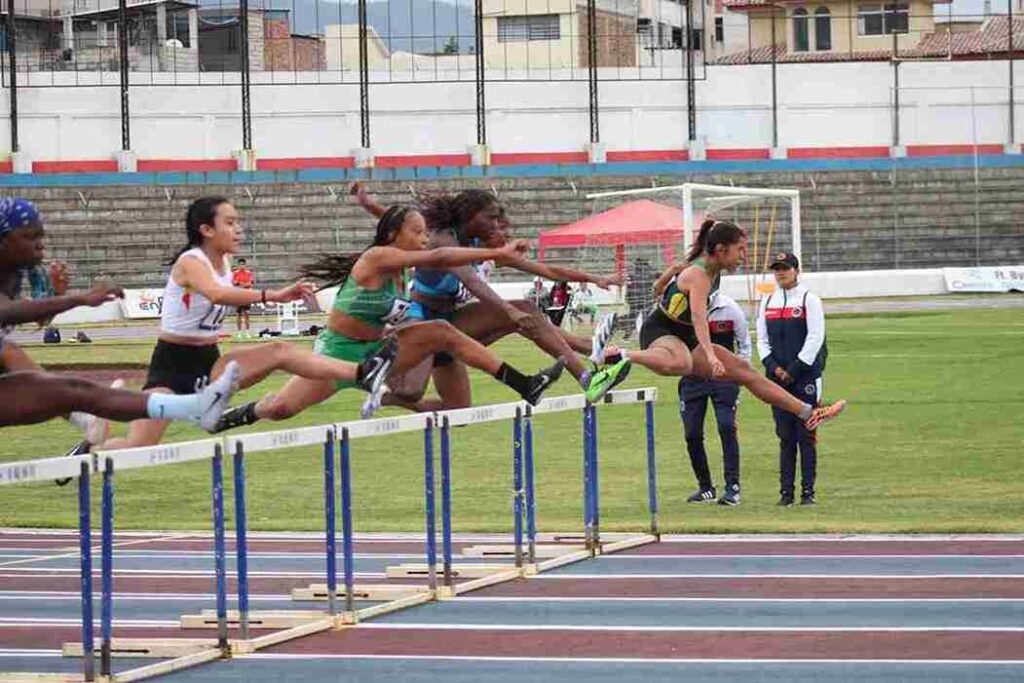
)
(540, 382)
(702, 496)
(731, 497)
(80, 448)
(786, 499)
(83, 338)
(375, 367)
(807, 498)
(239, 416)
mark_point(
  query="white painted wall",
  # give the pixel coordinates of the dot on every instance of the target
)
(819, 105)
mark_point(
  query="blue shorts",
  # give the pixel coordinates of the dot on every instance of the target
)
(419, 311)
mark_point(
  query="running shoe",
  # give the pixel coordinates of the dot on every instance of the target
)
(807, 498)
(606, 379)
(823, 414)
(80, 448)
(540, 382)
(731, 497)
(375, 367)
(602, 333)
(786, 499)
(702, 495)
(214, 397)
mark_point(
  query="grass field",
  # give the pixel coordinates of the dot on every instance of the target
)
(933, 441)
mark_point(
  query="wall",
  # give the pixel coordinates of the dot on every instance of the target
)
(821, 105)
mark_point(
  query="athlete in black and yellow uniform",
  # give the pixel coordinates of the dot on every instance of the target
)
(674, 314)
(675, 339)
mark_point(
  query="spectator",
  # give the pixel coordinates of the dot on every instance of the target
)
(791, 344)
(242, 277)
(583, 303)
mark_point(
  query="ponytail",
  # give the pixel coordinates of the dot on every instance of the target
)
(712, 234)
(201, 212)
(334, 269)
(454, 211)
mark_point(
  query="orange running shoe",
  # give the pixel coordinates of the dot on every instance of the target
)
(824, 414)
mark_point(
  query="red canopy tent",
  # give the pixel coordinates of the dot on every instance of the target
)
(637, 222)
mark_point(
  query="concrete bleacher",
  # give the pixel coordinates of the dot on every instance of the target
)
(852, 220)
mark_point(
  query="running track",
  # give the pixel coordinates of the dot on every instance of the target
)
(701, 609)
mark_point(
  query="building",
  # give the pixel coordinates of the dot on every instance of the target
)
(552, 34)
(272, 45)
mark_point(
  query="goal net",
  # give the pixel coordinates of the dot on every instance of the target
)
(641, 232)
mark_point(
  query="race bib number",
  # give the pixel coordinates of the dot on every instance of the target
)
(399, 309)
(214, 318)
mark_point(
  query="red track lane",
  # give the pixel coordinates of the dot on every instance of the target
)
(53, 637)
(759, 587)
(179, 584)
(679, 645)
(206, 544)
(830, 547)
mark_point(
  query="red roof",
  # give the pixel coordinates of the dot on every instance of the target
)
(740, 5)
(992, 38)
(637, 222)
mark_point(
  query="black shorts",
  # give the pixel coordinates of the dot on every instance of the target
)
(659, 325)
(443, 359)
(243, 309)
(178, 366)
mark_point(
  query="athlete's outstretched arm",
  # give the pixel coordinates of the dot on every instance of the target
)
(15, 312)
(367, 201)
(392, 259)
(559, 273)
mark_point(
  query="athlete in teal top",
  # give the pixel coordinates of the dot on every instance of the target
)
(675, 339)
(368, 307)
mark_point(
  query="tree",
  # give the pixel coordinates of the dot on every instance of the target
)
(451, 47)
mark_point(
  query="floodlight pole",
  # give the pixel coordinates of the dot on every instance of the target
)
(1013, 132)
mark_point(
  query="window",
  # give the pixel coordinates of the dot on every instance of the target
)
(719, 30)
(822, 29)
(801, 31)
(677, 37)
(697, 36)
(877, 20)
(524, 28)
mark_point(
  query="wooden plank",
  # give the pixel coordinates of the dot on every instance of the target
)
(370, 591)
(393, 606)
(163, 668)
(509, 551)
(30, 677)
(263, 619)
(555, 562)
(500, 577)
(636, 542)
(284, 636)
(459, 571)
(163, 648)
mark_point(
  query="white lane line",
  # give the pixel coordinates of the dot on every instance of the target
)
(427, 626)
(14, 622)
(761, 556)
(74, 571)
(24, 652)
(75, 554)
(204, 555)
(759, 575)
(633, 660)
(131, 597)
(528, 598)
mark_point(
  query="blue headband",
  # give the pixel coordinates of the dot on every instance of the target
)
(16, 213)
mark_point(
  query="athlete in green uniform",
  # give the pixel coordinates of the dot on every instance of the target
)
(369, 300)
(675, 339)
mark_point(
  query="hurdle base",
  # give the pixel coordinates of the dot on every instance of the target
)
(266, 619)
(371, 592)
(464, 571)
(393, 606)
(146, 648)
(509, 551)
(510, 574)
(571, 558)
(626, 544)
(42, 677)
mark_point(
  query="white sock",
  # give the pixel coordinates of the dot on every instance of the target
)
(80, 421)
(805, 412)
(172, 407)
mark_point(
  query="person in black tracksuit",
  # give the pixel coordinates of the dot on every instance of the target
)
(791, 344)
(728, 329)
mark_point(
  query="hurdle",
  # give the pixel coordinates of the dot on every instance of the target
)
(47, 470)
(528, 558)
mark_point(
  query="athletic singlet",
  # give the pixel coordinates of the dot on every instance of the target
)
(676, 304)
(188, 313)
(377, 307)
(440, 284)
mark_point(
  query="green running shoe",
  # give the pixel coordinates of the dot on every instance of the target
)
(606, 379)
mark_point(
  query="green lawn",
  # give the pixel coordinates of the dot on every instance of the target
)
(932, 442)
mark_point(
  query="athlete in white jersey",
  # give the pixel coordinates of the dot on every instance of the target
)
(198, 297)
(27, 393)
